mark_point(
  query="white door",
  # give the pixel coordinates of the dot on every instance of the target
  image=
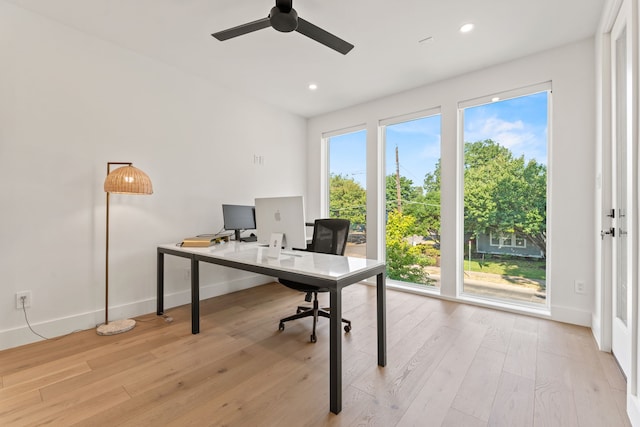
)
(621, 186)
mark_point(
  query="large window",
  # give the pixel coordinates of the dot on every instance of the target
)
(505, 197)
(347, 158)
(412, 200)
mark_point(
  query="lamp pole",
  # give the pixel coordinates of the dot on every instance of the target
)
(125, 180)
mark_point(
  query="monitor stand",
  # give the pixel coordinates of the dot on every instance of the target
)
(251, 238)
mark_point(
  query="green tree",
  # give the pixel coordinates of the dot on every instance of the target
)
(404, 261)
(428, 213)
(425, 209)
(432, 180)
(503, 193)
(347, 200)
(408, 192)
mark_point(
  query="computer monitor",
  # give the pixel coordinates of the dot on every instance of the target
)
(238, 218)
(281, 215)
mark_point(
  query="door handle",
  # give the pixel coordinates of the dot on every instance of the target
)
(611, 231)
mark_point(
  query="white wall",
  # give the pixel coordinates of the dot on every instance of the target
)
(571, 219)
(69, 103)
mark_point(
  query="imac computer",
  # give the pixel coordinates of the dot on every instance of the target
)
(238, 218)
(281, 215)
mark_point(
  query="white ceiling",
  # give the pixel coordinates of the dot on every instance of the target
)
(277, 67)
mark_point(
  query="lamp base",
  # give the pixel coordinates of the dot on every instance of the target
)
(116, 327)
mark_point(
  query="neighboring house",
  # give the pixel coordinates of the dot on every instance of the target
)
(507, 244)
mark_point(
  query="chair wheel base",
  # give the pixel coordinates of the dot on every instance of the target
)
(313, 338)
(347, 328)
(281, 326)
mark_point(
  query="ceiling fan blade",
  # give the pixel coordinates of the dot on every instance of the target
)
(242, 29)
(322, 36)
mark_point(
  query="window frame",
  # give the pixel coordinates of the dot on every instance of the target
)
(460, 247)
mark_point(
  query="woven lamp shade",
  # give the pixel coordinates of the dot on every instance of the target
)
(128, 180)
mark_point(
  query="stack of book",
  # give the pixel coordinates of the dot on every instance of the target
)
(204, 240)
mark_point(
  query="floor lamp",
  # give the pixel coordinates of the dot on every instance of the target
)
(123, 180)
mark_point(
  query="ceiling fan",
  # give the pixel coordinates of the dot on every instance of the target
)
(284, 18)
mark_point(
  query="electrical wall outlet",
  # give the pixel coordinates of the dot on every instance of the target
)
(27, 299)
(580, 287)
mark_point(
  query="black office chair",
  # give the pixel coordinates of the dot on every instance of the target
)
(329, 237)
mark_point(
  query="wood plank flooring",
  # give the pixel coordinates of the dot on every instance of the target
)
(449, 364)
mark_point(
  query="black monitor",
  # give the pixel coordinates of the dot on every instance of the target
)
(239, 218)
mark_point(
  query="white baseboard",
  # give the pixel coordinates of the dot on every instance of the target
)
(53, 328)
(633, 410)
(596, 331)
(571, 315)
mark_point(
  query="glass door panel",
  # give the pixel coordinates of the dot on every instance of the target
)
(621, 191)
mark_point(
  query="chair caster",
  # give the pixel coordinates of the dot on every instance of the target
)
(281, 326)
(347, 328)
(313, 338)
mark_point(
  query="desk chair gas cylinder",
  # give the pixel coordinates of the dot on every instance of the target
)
(329, 237)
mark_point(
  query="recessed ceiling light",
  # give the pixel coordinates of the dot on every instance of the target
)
(466, 28)
(313, 86)
(495, 99)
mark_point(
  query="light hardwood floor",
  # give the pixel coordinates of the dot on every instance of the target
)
(449, 364)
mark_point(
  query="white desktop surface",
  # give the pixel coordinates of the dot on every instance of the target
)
(315, 264)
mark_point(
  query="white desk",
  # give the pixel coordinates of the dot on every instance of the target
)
(322, 270)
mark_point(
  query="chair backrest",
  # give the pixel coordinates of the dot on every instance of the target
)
(330, 236)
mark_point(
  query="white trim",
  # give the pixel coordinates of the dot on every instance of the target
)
(603, 316)
(410, 116)
(462, 105)
(344, 131)
(325, 163)
(633, 409)
(502, 236)
(382, 137)
(634, 220)
(603, 310)
(508, 94)
(325, 147)
(59, 327)
(381, 193)
(459, 232)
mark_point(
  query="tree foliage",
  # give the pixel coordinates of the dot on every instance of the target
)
(348, 200)
(404, 261)
(408, 192)
(503, 193)
(424, 207)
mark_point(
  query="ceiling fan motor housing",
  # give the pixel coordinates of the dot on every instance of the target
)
(283, 21)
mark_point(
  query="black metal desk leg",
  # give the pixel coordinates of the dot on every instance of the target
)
(160, 290)
(382, 322)
(335, 351)
(195, 296)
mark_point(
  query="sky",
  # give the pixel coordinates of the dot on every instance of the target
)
(519, 124)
